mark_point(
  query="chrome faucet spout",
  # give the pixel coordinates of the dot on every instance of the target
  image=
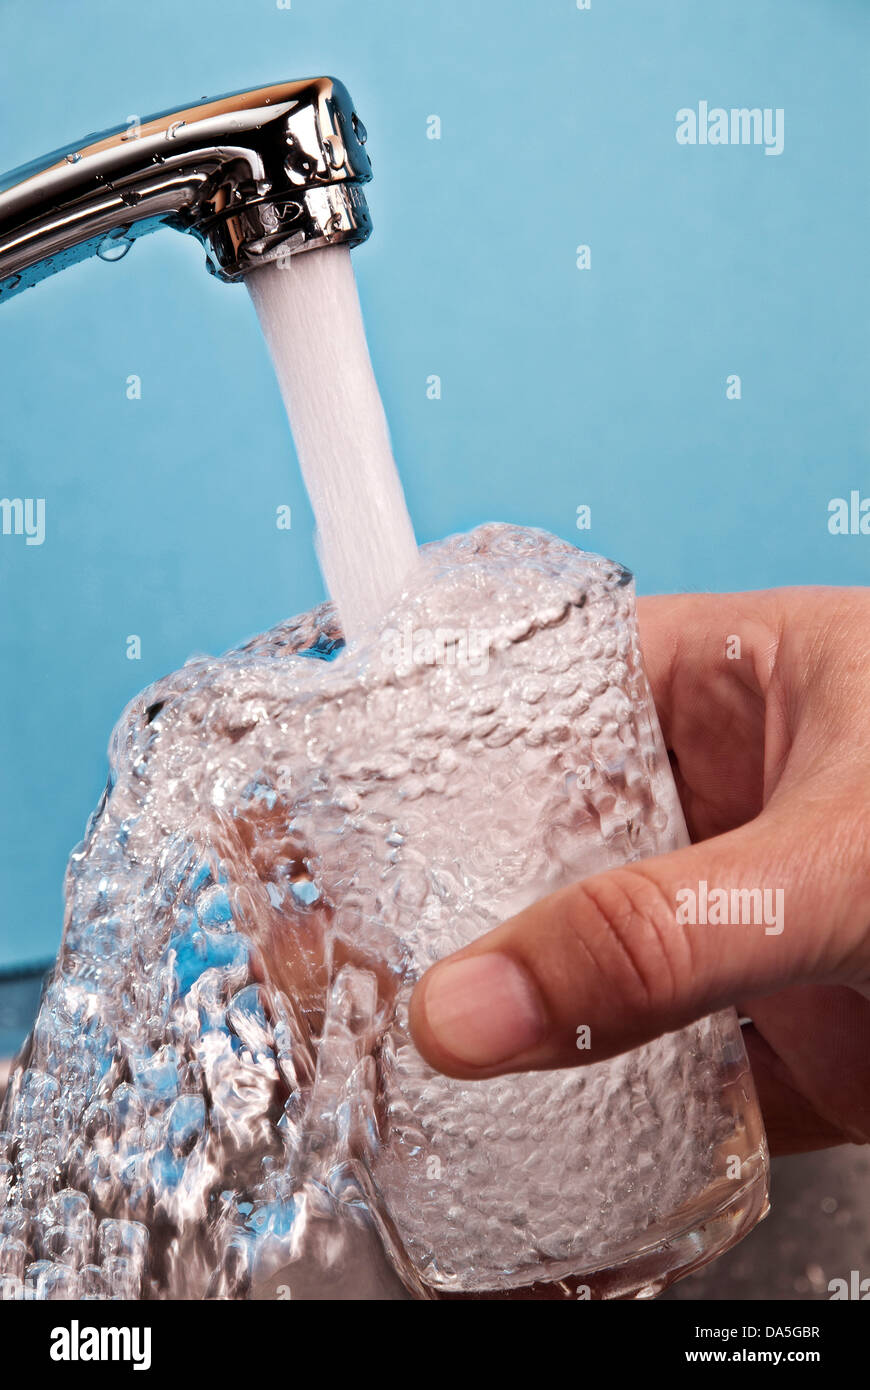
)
(255, 176)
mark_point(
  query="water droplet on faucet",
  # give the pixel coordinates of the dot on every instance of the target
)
(359, 129)
(298, 164)
(334, 151)
(172, 131)
(115, 246)
(73, 158)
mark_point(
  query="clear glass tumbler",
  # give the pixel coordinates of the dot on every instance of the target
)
(220, 1090)
(499, 742)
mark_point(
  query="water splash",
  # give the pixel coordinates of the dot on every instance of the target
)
(220, 1096)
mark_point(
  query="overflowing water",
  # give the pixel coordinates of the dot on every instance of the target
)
(310, 314)
(220, 1097)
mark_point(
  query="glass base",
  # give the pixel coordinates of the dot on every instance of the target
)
(648, 1272)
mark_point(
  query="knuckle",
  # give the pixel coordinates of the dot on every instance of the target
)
(628, 923)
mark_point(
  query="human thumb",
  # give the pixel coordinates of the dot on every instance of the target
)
(611, 962)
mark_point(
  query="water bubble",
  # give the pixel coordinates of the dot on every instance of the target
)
(115, 246)
(297, 162)
(247, 1018)
(334, 151)
(156, 1076)
(213, 907)
(67, 1208)
(13, 1257)
(92, 1284)
(123, 1277)
(185, 1122)
(71, 1246)
(127, 1239)
(48, 1282)
(305, 891)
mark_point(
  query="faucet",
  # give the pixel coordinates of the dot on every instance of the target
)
(256, 176)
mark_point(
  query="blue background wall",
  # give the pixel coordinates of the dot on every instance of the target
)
(560, 387)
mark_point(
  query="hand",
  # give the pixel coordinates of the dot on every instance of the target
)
(771, 754)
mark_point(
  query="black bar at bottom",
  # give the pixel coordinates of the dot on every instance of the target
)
(258, 1339)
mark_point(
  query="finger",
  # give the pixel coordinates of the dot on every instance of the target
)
(754, 690)
(692, 659)
(707, 660)
(791, 1123)
(618, 956)
(819, 1038)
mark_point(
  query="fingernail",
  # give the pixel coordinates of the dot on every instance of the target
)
(483, 1010)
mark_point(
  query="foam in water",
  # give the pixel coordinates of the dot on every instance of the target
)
(310, 314)
(220, 1094)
